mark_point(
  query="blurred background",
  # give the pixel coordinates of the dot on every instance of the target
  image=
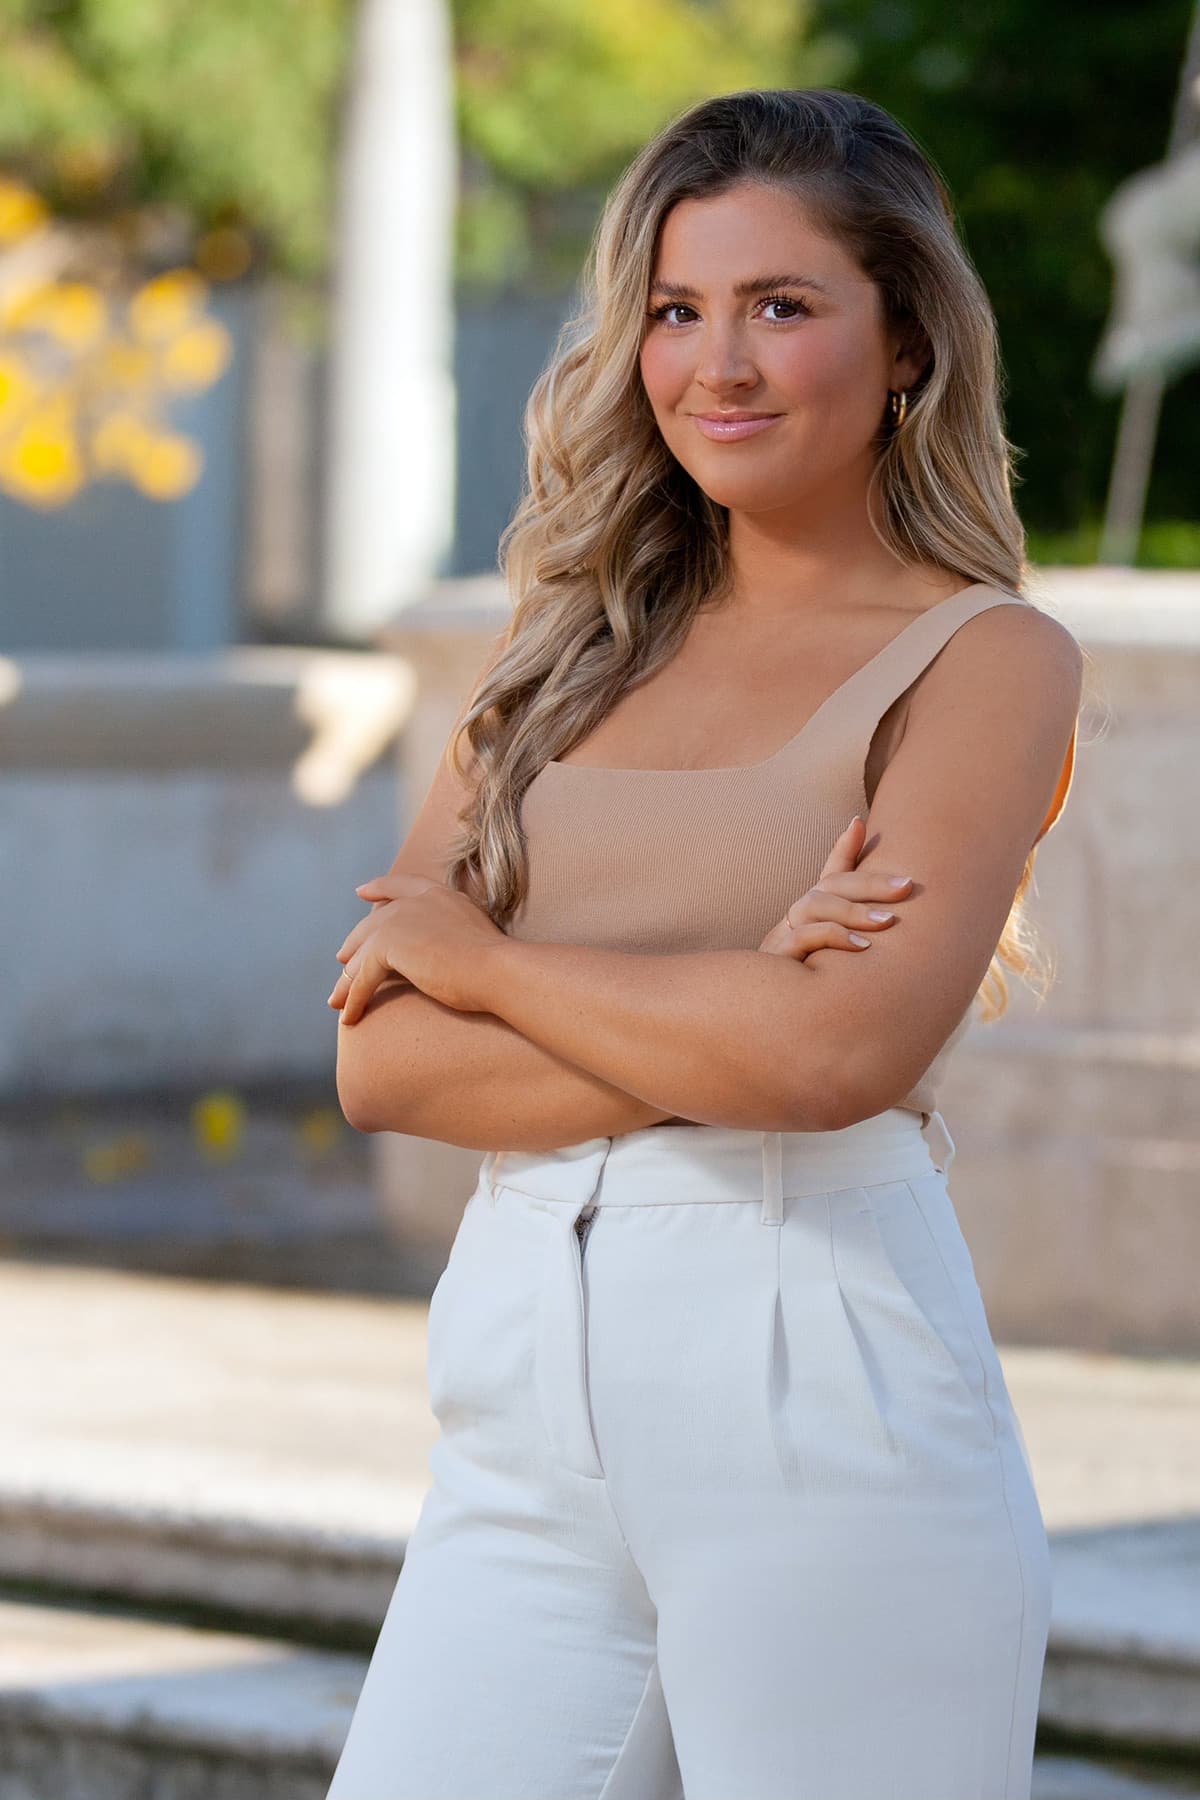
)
(275, 280)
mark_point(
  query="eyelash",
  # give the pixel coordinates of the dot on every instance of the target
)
(659, 313)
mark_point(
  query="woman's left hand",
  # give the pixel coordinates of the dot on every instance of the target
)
(432, 935)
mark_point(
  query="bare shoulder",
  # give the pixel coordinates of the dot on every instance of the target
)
(1017, 656)
(1021, 636)
(991, 724)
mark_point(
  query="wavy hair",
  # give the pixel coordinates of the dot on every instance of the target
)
(614, 547)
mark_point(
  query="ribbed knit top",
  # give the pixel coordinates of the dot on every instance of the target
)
(654, 861)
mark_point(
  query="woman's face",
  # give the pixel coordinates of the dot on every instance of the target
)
(751, 311)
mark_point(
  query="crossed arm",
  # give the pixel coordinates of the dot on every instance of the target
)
(584, 1042)
(411, 1064)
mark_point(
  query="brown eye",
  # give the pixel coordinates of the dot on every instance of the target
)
(799, 308)
(660, 312)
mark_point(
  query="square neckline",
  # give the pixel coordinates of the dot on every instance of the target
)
(776, 755)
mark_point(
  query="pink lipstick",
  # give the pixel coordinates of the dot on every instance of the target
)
(730, 427)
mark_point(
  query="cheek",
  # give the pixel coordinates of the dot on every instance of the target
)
(665, 371)
(811, 365)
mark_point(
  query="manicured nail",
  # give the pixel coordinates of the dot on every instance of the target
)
(856, 937)
(899, 880)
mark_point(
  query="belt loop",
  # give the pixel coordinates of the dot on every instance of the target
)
(491, 1163)
(937, 1136)
(772, 1197)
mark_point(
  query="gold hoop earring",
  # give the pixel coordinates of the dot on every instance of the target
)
(899, 407)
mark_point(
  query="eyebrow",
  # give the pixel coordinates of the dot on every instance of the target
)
(745, 290)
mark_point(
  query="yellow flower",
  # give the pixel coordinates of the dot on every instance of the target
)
(218, 1124)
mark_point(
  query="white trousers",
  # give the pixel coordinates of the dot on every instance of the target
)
(729, 1502)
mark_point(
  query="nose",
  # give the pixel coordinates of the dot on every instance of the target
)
(723, 363)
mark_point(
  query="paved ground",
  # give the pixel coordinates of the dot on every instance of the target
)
(238, 1401)
(307, 1408)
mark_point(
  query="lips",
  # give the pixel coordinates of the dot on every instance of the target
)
(730, 427)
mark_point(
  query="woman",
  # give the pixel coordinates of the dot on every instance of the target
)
(730, 1500)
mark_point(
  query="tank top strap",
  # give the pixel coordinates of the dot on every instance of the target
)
(847, 720)
(845, 725)
(868, 695)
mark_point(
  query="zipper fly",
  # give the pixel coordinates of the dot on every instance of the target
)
(583, 1225)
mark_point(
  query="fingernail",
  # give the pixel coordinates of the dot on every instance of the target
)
(899, 880)
(856, 937)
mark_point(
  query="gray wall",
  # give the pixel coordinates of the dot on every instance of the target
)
(501, 345)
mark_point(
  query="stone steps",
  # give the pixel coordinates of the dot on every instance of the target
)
(1123, 1663)
(101, 1705)
(1124, 1655)
(306, 1584)
(252, 1461)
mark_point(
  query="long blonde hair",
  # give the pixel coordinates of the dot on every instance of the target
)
(614, 547)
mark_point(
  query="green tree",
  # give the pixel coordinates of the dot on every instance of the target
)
(220, 114)
(1035, 117)
(147, 147)
(555, 96)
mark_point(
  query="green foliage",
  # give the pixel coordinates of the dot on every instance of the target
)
(555, 97)
(224, 109)
(1165, 544)
(1035, 117)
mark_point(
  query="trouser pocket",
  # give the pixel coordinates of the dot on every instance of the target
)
(909, 1270)
(873, 1378)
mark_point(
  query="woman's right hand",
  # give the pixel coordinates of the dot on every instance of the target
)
(839, 904)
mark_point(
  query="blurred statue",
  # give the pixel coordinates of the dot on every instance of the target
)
(1151, 228)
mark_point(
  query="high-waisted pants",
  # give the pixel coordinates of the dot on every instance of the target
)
(729, 1502)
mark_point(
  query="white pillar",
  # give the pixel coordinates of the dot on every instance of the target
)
(390, 467)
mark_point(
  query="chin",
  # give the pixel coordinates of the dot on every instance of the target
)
(746, 495)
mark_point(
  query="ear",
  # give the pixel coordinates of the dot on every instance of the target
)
(913, 355)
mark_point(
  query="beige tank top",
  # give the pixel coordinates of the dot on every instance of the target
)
(669, 860)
